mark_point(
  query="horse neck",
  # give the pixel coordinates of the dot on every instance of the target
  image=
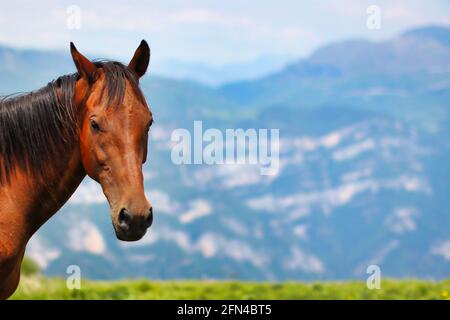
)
(27, 203)
(30, 201)
(67, 174)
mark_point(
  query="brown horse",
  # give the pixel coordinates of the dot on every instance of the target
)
(93, 122)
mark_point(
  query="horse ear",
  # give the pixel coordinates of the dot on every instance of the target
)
(85, 67)
(141, 59)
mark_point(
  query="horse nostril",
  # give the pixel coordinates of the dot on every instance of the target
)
(149, 219)
(124, 217)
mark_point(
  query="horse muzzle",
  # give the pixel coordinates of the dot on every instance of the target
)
(132, 226)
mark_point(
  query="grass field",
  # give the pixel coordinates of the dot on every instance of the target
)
(38, 287)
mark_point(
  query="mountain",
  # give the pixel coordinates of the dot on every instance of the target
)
(219, 75)
(26, 70)
(363, 178)
(390, 77)
(436, 33)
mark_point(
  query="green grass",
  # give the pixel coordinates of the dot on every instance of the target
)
(38, 287)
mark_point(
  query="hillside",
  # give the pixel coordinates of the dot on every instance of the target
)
(364, 175)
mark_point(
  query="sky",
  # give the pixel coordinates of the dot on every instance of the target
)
(214, 32)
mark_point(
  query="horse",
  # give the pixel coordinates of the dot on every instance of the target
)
(93, 122)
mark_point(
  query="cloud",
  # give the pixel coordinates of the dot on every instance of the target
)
(442, 249)
(217, 32)
(162, 202)
(211, 245)
(338, 196)
(85, 236)
(209, 17)
(235, 226)
(230, 176)
(300, 231)
(300, 260)
(354, 150)
(357, 174)
(197, 209)
(412, 13)
(89, 192)
(401, 220)
(41, 252)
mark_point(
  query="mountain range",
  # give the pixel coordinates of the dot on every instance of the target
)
(364, 176)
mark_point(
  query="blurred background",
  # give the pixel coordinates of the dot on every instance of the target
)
(360, 91)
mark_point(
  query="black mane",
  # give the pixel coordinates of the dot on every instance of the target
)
(39, 126)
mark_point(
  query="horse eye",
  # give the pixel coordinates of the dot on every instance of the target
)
(95, 125)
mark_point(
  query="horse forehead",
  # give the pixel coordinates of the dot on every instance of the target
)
(132, 103)
(131, 109)
(132, 100)
(136, 103)
(134, 106)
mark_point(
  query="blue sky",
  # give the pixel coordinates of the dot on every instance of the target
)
(211, 32)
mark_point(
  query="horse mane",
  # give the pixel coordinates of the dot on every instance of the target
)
(39, 126)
